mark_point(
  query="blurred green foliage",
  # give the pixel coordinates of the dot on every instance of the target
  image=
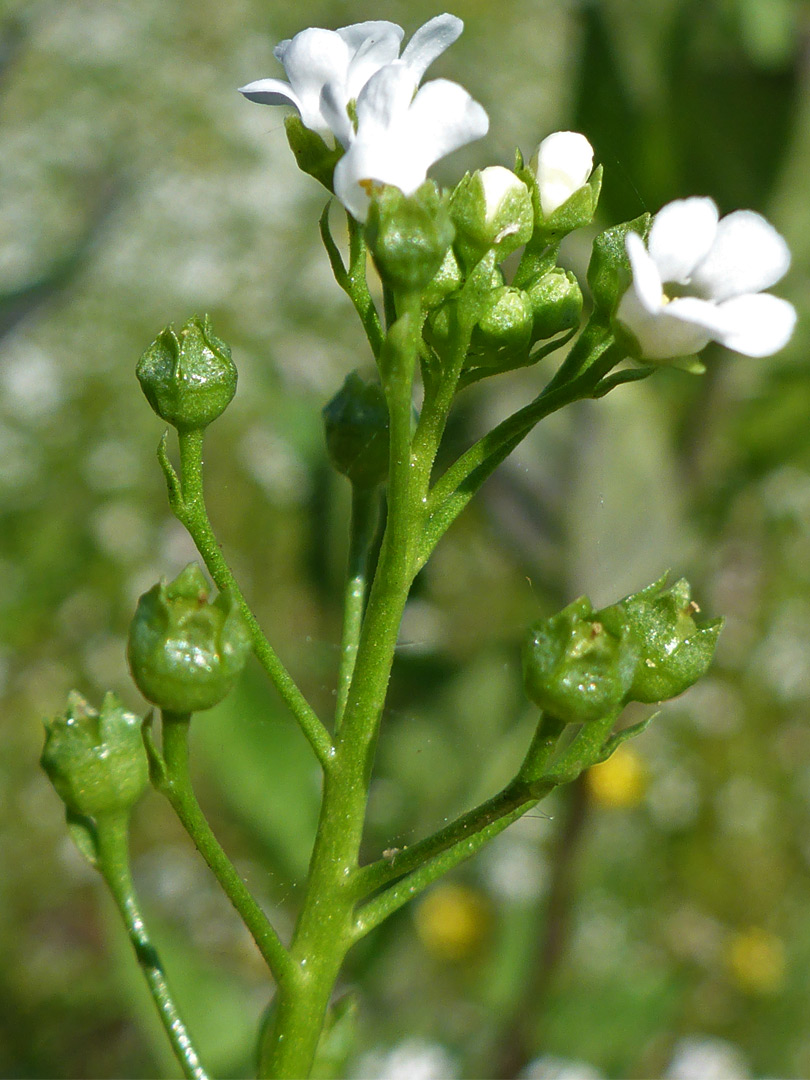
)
(666, 902)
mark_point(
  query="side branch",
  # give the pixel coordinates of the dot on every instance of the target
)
(176, 786)
(187, 501)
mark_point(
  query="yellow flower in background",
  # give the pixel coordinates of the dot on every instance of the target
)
(452, 921)
(620, 781)
(756, 960)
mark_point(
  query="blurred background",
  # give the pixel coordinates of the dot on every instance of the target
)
(652, 920)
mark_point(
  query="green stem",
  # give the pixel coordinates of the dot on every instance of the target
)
(353, 281)
(178, 789)
(528, 786)
(365, 508)
(453, 491)
(188, 504)
(113, 861)
(452, 845)
(325, 929)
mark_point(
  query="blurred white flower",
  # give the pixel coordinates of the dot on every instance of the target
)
(413, 1059)
(705, 1058)
(548, 1067)
(399, 135)
(337, 64)
(700, 279)
(562, 164)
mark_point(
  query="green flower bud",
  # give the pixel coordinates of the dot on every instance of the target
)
(408, 235)
(184, 653)
(491, 209)
(673, 651)
(356, 426)
(556, 302)
(96, 761)
(505, 324)
(188, 376)
(312, 154)
(575, 668)
(447, 280)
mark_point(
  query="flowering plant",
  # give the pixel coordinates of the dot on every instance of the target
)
(447, 311)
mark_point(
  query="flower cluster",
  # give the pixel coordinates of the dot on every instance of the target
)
(352, 85)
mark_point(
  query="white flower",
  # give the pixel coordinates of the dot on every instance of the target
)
(562, 164)
(343, 61)
(399, 135)
(700, 279)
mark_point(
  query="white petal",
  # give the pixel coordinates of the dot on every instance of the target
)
(497, 183)
(374, 30)
(335, 114)
(430, 41)
(313, 58)
(379, 46)
(646, 279)
(681, 235)
(271, 92)
(562, 163)
(380, 161)
(443, 117)
(756, 325)
(748, 255)
(660, 335)
(383, 102)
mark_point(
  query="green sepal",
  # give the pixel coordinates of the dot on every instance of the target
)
(185, 653)
(577, 668)
(445, 282)
(82, 832)
(95, 760)
(630, 732)
(507, 227)
(188, 376)
(356, 423)
(609, 269)
(577, 211)
(311, 153)
(673, 650)
(408, 235)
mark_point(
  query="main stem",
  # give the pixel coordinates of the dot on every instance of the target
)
(113, 858)
(325, 929)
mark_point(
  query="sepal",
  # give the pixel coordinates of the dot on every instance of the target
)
(609, 269)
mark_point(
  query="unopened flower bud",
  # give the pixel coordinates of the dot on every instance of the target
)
(491, 209)
(408, 235)
(575, 667)
(188, 376)
(356, 426)
(184, 652)
(556, 302)
(673, 650)
(564, 185)
(505, 323)
(96, 761)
